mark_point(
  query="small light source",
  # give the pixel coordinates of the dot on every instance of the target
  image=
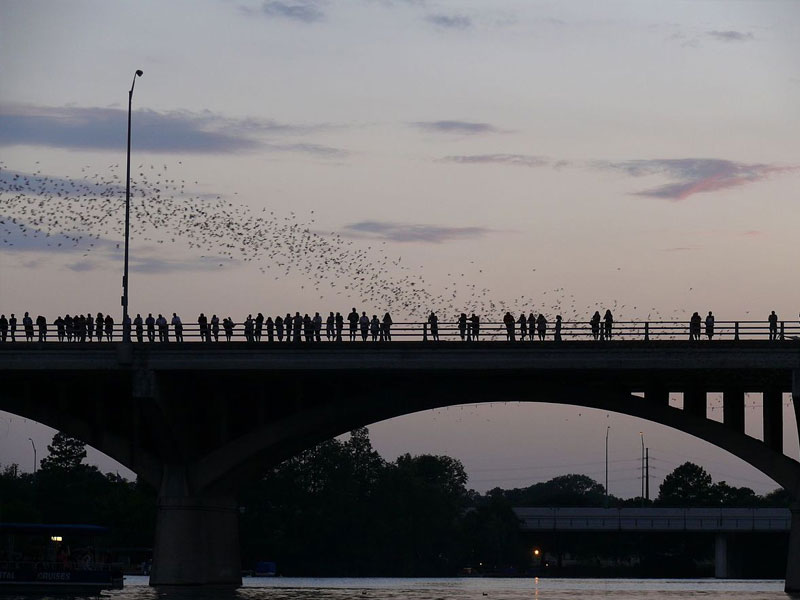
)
(55, 538)
(536, 552)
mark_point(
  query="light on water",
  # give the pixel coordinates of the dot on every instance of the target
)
(310, 588)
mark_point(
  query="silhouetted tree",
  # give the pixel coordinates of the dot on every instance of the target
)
(688, 485)
(65, 453)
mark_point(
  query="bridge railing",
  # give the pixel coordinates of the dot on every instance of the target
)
(424, 331)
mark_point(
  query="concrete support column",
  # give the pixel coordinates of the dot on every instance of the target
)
(197, 536)
(733, 409)
(792, 584)
(773, 419)
(694, 402)
(796, 396)
(721, 556)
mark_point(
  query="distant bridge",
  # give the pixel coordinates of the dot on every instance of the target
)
(726, 524)
(196, 420)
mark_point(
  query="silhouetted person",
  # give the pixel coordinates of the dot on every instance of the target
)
(363, 323)
(330, 324)
(523, 327)
(694, 327)
(308, 328)
(316, 322)
(475, 326)
(163, 328)
(150, 322)
(126, 328)
(214, 327)
(4, 328)
(227, 326)
(12, 327)
(374, 328)
(279, 327)
(773, 326)
(202, 324)
(259, 326)
(608, 322)
(710, 325)
(339, 319)
(248, 328)
(60, 331)
(531, 326)
(557, 333)
(27, 326)
(297, 328)
(386, 327)
(139, 325)
(99, 322)
(69, 327)
(595, 324)
(288, 323)
(178, 327)
(352, 318)
(41, 325)
(82, 323)
(89, 325)
(109, 328)
(433, 321)
(508, 321)
(270, 329)
(541, 326)
(462, 326)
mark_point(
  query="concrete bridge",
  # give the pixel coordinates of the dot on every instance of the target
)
(198, 420)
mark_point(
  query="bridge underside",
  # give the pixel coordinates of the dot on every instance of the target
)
(196, 423)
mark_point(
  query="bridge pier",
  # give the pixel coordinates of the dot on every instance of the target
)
(197, 536)
(773, 419)
(727, 557)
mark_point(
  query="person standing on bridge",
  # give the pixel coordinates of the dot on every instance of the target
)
(27, 326)
(374, 327)
(317, 322)
(279, 327)
(215, 327)
(163, 331)
(202, 324)
(248, 328)
(4, 328)
(433, 321)
(139, 324)
(150, 322)
(523, 327)
(259, 326)
(289, 325)
(60, 332)
(386, 327)
(710, 325)
(270, 330)
(12, 327)
(595, 324)
(773, 326)
(41, 323)
(541, 326)
(353, 320)
(178, 326)
(363, 323)
(297, 327)
(109, 327)
(608, 320)
(339, 320)
(557, 334)
(99, 323)
(531, 326)
(475, 329)
(330, 324)
(462, 326)
(126, 328)
(89, 325)
(69, 327)
(227, 326)
(694, 327)
(308, 328)
(508, 321)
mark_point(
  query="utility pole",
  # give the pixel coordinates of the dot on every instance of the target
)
(641, 433)
(608, 428)
(647, 474)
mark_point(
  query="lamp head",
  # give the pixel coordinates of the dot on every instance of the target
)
(139, 72)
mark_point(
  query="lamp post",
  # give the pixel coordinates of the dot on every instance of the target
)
(641, 434)
(126, 336)
(608, 428)
(35, 462)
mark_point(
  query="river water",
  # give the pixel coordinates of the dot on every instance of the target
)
(286, 588)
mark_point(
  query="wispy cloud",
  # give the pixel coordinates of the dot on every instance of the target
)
(518, 160)
(93, 128)
(456, 127)
(407, 232)
(449, 21)
(303, 11)
(695, 175)
(730, 36)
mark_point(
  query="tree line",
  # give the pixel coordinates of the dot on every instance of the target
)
(341, 509)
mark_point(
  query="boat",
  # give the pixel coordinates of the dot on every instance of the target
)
(51, 559)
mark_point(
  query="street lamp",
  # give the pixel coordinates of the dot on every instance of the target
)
(126, 337)
(35, 462)
(641, 433)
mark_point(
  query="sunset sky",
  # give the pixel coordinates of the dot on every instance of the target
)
(641, 156)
